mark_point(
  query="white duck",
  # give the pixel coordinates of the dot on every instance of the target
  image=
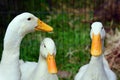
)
(17, 29)
(98, 68)
(45, 69)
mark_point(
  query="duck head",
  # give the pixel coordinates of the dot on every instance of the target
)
(48, 51)
(97, 35)
(26, 23)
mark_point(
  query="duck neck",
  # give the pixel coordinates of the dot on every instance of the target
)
(11, 48)
(96, 61)
(41, 69)
(96, 69)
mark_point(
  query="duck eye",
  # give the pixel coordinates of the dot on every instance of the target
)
(44, 46)
(29, 19)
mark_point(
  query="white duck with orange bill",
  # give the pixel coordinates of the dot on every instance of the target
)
(17, 29)
(46, 68)
(98, 68)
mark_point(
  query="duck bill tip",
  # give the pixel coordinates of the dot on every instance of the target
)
(51, 64)
(43, 26)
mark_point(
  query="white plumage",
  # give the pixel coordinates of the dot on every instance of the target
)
(17, 29)
(98, 68)
(39, 71)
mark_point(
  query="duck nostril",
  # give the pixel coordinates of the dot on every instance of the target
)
(40, 22)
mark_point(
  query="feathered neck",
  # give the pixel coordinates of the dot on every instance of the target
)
(41, 70)
(96, 60)
(95, 70)
(11, 47)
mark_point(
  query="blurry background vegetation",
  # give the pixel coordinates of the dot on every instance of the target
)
(71, 21)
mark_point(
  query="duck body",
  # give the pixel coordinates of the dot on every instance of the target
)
(17, 29)
(39, 71)
(100, 70)
(36, 71)
(7, 71)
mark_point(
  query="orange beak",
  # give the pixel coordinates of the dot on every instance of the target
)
(43, 26)
(96, 47)
(51, 64)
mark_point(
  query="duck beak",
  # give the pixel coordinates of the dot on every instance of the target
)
(96, 47)
(51, 64)
(43, 26)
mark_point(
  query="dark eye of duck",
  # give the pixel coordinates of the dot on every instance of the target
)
(29, 19)
(44, 46)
